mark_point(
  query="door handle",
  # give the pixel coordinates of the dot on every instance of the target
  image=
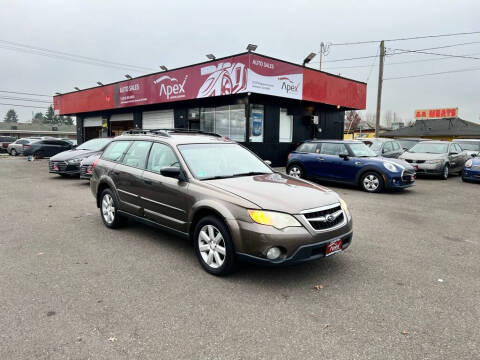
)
(320, 159)
(148, 182)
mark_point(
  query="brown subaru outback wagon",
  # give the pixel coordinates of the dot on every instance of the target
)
(220, 195)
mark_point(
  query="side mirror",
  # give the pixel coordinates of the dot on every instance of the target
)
(268, 162)
(474, 155)
(171, 172)
(344, 156)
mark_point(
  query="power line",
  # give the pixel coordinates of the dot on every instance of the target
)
(24, 99)
(405, 38)
(431, 74)
(371, 68)
(23, 93)
(74, 55)
(29, 106)
(403, 51)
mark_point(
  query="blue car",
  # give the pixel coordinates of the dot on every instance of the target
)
(471, 170)
(351, 162)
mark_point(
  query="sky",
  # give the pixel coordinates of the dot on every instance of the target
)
(177, 33)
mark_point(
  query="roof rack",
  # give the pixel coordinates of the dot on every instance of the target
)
(167, 132)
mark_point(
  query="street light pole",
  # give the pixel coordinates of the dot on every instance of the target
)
(380, 83)
(321, 54)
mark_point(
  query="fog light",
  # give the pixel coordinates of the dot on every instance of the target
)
(273, 253)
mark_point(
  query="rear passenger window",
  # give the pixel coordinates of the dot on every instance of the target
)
(161, 156)
(396, 146)
(333, 149)
(115, 150)
(136, 155)
(307, 147)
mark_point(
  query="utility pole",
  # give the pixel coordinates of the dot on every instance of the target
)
(321, 54)
(380, 83)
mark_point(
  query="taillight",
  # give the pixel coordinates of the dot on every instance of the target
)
(26, 146)
(95, 164)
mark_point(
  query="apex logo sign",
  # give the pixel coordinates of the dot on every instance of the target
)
(288, 85)
(170, 87)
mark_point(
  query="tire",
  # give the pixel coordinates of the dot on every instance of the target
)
(13, 152)
(295, 170)
(445, 172)
(108, 210)
(38, 154)
(372, 182)
(215, 254)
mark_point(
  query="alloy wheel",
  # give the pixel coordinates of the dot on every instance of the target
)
(108, 209)
(295, 172)
(445, 172)
(371, 182)
(13, 152)
(212, 246)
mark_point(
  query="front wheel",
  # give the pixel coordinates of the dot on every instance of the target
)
(372, 182)
(445, 172)
(214, 246)
(295, 171)
(13, 152)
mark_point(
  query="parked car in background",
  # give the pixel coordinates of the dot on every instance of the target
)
(471, 146)
(439, 158)
(46, 148)
(16, 148)
(471, 170)
(73, 141)
(408, 143)
(5, 141)
(388, 148)
(67, 163)
(87, 165)
(349, 161)
(218, 194)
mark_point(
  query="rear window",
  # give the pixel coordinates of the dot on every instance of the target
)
(115, 150)
(307, 147)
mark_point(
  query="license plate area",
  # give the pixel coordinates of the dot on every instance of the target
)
(334, 247)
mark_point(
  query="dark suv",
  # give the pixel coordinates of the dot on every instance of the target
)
(229, 202)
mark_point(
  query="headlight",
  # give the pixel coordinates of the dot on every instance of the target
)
(469, 163)
(343, 204)
(275, 219)
(434, 161)
(390, 166)
(75, 161)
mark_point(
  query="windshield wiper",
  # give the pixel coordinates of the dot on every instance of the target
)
(250, 173)
(217, 177)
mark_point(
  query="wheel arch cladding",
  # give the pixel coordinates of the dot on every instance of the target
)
(201, 211)
(368, 169)
(101, 187)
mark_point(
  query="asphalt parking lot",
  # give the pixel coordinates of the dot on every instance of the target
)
(407, 288)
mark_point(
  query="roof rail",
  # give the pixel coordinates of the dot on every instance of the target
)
(167, 132)
(189, 131)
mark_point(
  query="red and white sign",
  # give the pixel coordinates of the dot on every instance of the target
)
(237, 74)
(334, 247)
(436, 113)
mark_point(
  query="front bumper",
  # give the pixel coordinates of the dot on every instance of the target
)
(63, 167)
(472, 175)
(405, 180)
(252, 241)
(425, 168)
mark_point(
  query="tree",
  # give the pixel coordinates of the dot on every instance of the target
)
(11, 116)
(352, 120)
(66, 120)
(50, 117)
(37, 118)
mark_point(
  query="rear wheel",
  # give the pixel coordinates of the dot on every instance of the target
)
(214, 246)
(108, 209)
(295, 170)
(38, 154)
(372, 182)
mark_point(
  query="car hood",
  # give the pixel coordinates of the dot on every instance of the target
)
(399, 162)
(421, 156)
(278, 192)
(72, 154)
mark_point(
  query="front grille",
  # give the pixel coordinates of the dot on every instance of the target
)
(325, 218)
(62, 165)
(407, 176)
(415, 161)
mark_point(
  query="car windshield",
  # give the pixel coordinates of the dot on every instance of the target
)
(94, 145)
(215, 161)
(470, 146)
(429, 148)
(375, 145)
(361, 150)
(407, 144)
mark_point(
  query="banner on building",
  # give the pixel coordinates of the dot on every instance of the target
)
(436, 113)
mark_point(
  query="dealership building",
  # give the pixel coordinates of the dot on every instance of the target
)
(268, 105)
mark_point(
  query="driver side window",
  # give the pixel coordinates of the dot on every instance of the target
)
(161, 156)
(333, 149)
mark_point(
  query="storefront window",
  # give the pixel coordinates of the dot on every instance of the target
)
(286, 126)
(227, 121)
(256, 123)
